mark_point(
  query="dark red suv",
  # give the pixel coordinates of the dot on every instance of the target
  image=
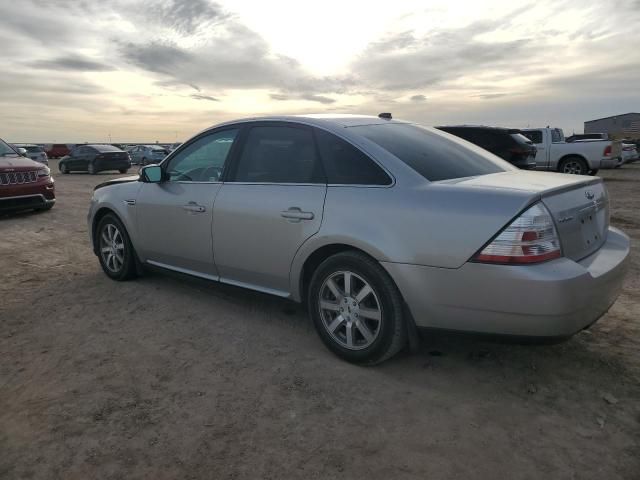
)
(24, 184)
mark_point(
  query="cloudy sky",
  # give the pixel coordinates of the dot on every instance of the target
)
(83, 70)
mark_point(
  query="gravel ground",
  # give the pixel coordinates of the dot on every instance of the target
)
(170, 377)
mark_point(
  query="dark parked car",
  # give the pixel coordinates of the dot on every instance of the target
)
(24, 183)
(94, 159)
(507, 143)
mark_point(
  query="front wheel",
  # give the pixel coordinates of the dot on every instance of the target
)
(63, 168)
(357, 309)
(115, 251)
(123, 170)
(573, 166)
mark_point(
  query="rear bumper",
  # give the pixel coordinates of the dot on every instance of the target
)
(610, 162)
(553, 299)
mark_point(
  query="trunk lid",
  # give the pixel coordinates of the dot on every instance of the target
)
(579, 205)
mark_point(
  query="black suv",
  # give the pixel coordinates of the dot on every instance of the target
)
(94, 159)
(507, 143)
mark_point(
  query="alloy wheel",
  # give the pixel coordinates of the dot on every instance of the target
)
(573, 167)
(112, 248)
(350, 310)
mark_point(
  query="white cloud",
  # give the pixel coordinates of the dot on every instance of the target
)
(150, 68)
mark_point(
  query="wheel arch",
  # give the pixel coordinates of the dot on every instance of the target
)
(572, 155)
(99, 215)
(308, 260)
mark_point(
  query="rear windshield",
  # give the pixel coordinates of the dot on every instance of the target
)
(434, 155)
(520, 138)
(33, 148)
(106, 148)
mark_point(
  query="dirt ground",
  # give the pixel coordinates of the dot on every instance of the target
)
(168, 377)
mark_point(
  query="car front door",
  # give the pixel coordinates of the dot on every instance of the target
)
(174, 217)
(76, 159)
(270, 203)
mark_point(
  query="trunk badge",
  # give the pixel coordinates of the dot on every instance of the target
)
(589, 194)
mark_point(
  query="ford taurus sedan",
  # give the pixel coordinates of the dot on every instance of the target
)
(378, 226)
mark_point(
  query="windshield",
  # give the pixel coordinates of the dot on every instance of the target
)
(431, 153)
(6, 150)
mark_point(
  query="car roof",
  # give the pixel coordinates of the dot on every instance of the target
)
(101, 147)
(482, 127)
(321, 120)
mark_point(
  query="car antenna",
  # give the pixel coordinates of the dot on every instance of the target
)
(385, 115)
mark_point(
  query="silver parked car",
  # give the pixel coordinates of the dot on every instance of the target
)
(377, 225)
(147, 154)
(34, 152)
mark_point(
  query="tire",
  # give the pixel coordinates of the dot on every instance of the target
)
(123, 170)
(593, 172)
(63, 169)
(144, 162)
(374, 337)
(574, 166)
(45, 208)
(122, 267)
(91, 168)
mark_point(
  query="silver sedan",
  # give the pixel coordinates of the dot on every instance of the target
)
(379, 226)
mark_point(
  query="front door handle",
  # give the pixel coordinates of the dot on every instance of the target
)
(194, 207)
(295, 214)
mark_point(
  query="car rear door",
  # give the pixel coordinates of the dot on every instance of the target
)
(174, 217)
(272, 200)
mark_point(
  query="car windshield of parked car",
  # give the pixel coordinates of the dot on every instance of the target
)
(6, 150)
(434, 155)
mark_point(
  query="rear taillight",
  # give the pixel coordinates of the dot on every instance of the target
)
(607, 151)
(530, 238)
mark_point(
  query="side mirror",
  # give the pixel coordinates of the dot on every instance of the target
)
(22, 152)
(151, 174)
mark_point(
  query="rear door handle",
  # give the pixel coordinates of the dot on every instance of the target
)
(295, 214)
(194, 207)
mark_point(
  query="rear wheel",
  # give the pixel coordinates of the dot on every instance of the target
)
(63, 168)
(357, 309)
(123, 170)
(115, 251)
(573, 166)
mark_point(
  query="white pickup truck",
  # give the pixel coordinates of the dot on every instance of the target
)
(580, 158)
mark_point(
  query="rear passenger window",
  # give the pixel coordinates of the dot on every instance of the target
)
(279, 154)
(534, 135)
(344, 164)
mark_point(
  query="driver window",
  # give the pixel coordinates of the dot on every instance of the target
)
(202, 160)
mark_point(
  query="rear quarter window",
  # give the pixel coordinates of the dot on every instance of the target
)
(434, 155)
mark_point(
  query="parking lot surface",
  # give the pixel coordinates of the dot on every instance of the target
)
(171, 377)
